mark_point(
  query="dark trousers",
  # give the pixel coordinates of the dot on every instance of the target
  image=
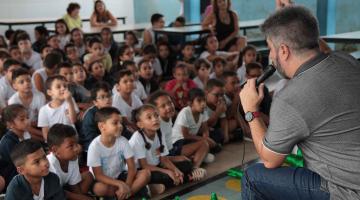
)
(160, 178)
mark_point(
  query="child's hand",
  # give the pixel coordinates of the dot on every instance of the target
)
(179, 174)
(173, 177)
(67, 95)
(123, 191)
(221, 106)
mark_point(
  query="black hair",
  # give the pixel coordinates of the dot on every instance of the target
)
(91, 65)
(5, 55)
(21, 37)
(23, 149)
(243, 52)
(188, 43)
(4, 45)
(10, 112)
(253, 65)
(148, 49)
(122, 50)
(142, 61)
(133, 34)
(136, 113)
(94, 40)
(71, 7)
(58, 133)
(205, 40)
(122, 73)
(198, 63)
(179, 66)
(51, 37)
(65, 65)
(51, 79)
(98, 87)
(10, 62)
(219, 59)
(105, 113)
(128, 63)
(181, 19)
(196, 93)
(19, 72)
(69, 45)
(42, 30)
(9, 33)
(62, 21)
(227, 74)
(52, 60)
(212, 83)
(156, 17)
(154, 96)
(43, 47)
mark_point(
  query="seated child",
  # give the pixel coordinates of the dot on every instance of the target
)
(108, 154)
(101, 97)
(80, 94)
(15, 117)
(63, 159)
(139, 88)
(146, 76)
(187, 57)
(34, 180)
(40, 33)
(60, 109)
(29, 98)
(51, 61)
(15, 53)
(191, 123)
(203, 71)
(79, 74)
(157, 21)
(4, 55)
(197, 151)
(77, 38)
(6, 89)
(97, 53)
(125, 100)
(29, 56)
(216, 110)
(97, 74)
(166, 58)
(218, 64)
(126, 53)
(232, 99)
(147, 144)
(247, 55)
(72, 53)
(179, 87)
(149, 53)
(62, 32)
(131, 40)
(44, 51)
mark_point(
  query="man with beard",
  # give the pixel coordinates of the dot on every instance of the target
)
(318, 111)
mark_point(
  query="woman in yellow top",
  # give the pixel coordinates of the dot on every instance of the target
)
(102, 17)
(72, 18)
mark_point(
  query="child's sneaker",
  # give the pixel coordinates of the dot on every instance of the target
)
(198, 174)
(157, 189)
(209, 158)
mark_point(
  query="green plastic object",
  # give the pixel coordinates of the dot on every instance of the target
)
(213, 196)
(236, 173)
(177, 198)
(295, 160)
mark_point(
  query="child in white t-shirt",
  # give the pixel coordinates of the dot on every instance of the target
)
(62, 107)
(196, 150)
(63, 160)
(151, 153)
(191, 123)
(32, 100)
(28, 55)
(203, 71)
(125, 100)
(6, 89)
(247, 55)
(107, 156)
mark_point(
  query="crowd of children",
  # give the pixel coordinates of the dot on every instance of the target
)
(90, 116)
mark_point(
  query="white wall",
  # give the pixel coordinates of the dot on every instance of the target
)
(18, 9)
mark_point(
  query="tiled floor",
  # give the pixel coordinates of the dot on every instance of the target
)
(230, 156)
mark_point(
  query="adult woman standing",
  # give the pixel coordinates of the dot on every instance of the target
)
(101, 17)
(72, 18)
(224, 22)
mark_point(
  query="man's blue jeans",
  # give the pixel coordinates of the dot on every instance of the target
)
(286, 183)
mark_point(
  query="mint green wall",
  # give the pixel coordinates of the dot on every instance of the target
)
(143, 9)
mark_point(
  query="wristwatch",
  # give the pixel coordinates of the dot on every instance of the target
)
(249, 116)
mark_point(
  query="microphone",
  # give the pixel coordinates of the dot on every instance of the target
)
(268, 71)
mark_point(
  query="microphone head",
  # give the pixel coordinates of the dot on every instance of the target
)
(268, 71)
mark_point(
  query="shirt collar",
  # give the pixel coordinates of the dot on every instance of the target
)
(310, 63)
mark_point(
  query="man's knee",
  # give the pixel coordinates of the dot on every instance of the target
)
(254, 172)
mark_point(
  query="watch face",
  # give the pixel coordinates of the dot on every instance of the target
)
(249, 116)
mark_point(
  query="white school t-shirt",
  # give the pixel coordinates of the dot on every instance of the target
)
(34, 61)
(49, 116)
(124, 108)
(166, 130)
(42, 73)
(156, 65)
(199, 83)
(186, 119)
(37, 102)
(139, 90)
(110, 159)
(241, 73)
(152, 155)
(41, 195)
(6, 90)
(72, 177)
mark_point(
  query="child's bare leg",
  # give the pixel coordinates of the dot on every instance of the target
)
(86, 181)
(141, 179)
(198, 150)
(211, 142)
(2, 183)
(103, 190)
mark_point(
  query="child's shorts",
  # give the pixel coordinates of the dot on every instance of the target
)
(178, 145)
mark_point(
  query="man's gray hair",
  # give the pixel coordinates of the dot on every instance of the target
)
(293, 26)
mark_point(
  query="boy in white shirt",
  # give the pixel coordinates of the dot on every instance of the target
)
(29, 56)
(63, 160)
(31, 100)
(125, 100)
(6, 89)
(62, 107)
(107, 156)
